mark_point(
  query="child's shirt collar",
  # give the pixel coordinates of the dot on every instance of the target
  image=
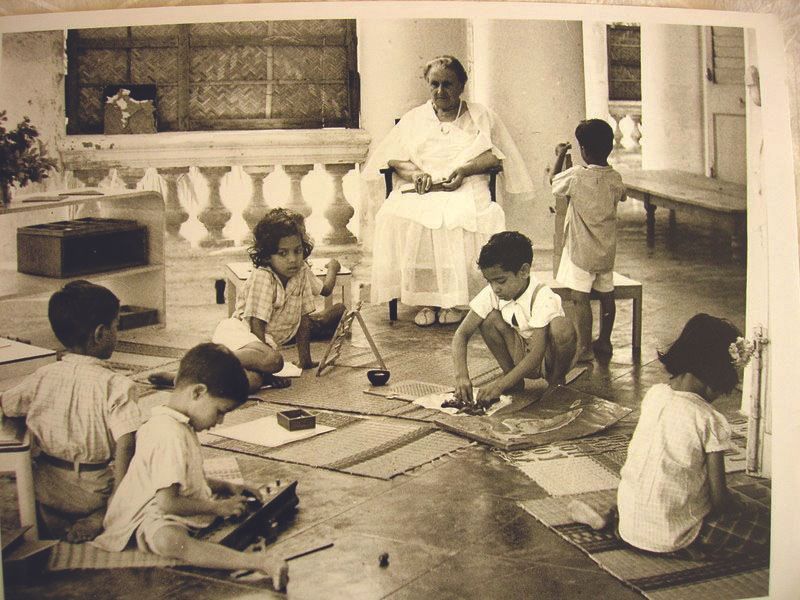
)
(83, 358)
(524, 299)
(170, 412)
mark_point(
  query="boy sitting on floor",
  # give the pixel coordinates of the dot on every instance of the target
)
(80, 413)
(165, 497)
(520, 319)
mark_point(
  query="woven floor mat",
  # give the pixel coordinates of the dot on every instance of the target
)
(594, 462)
(377, 447)
(65, 556)
(657, 577)
(150, 349)
(391, 401)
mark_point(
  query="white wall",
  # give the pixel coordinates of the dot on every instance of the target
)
(531, 74)
(672, 103)
(32, 75)
(391, 56)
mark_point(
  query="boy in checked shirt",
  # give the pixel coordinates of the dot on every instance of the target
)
(82, 416)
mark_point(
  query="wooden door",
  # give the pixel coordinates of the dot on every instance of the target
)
(724, 103)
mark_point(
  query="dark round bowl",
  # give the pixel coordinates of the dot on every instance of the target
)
(378, 376)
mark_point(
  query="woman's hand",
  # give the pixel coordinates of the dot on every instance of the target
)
(454, 180)
(422, 182)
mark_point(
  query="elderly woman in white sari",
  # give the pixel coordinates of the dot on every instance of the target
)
(429, 231)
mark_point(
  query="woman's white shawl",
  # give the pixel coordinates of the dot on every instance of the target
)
(411, 140)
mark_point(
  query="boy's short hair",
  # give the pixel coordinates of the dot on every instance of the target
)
(217, 368)
(508, 249)
(76, 310)
(596, 136)
(703, 349)
(276, 224)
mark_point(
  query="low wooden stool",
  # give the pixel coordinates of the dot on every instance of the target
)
(625, 288)
(16, 458)
(236, 273)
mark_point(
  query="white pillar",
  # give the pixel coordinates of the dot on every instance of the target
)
(672, 102)
(531, 74)
(595, 73)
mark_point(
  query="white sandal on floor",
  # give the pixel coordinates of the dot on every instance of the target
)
(449, 316)
(425, 317)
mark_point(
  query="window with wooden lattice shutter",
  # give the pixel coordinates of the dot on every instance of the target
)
(725, 55)
(624, 62)
(213, 76)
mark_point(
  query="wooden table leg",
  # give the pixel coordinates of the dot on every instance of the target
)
(636, 328)
(393, 309)
(651, 221)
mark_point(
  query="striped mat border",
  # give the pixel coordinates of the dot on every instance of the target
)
(66, 556)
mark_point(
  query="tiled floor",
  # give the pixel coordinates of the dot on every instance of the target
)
(452, 528)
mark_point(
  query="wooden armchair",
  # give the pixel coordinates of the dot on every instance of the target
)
(388, 172)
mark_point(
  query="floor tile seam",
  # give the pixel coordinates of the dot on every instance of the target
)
(418, 577)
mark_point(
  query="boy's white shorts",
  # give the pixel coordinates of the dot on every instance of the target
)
(575, 278)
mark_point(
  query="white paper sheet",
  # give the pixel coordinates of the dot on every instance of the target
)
(289, 370)
(266, 432)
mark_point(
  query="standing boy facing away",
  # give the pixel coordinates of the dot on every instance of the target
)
(590, 227)
(520, 319)
(80, 413)
(165, 498)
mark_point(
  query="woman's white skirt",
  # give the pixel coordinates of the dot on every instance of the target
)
(431, 266)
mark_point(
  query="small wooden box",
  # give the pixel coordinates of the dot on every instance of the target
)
(80, 247)
(297, 419)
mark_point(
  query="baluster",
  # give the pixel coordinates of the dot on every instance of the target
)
(296, 201)
(91, 178)
(636, 133)
(339, 212)
(214, 216)
(617, 131)
(258, 207)
(130, 175)
(175, 214)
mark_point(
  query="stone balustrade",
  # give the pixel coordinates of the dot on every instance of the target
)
(626, 119)
(223, 161)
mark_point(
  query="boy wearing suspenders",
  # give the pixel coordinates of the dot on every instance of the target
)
(520, 319)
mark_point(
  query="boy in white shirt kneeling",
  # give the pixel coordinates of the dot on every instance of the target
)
(520, 319)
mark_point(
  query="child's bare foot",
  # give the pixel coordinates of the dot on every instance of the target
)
(585, 355)
(308, 364)
(581, 512)
(85, 529)
(275, 382)
(602, 348)
(164, 379)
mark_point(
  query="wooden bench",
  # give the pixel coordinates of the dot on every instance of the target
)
(625, 288)
(236, 273)
(725, 201)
